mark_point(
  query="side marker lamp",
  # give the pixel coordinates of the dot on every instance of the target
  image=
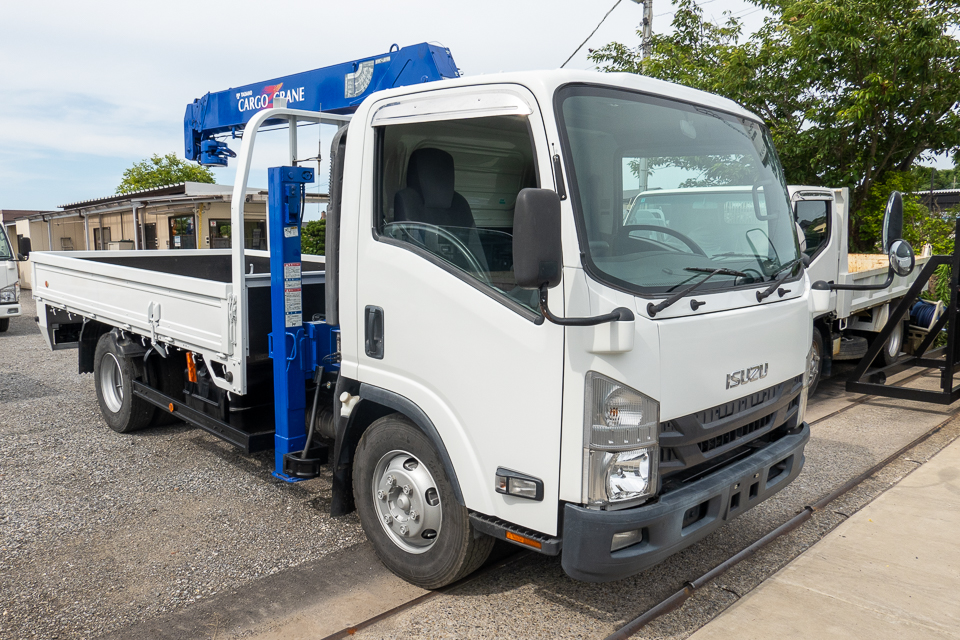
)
(516, 484)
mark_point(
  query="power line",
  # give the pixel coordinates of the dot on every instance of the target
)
(667, 13)
(615, 4)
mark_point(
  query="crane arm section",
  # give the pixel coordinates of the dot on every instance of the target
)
(339, 88)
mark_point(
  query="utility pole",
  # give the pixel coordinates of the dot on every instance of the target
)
(646, 47)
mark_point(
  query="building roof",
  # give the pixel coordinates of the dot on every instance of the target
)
(9, 215)
(181, 192)
(179, 189)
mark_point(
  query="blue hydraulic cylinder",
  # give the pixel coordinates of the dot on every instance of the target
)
(289, 341)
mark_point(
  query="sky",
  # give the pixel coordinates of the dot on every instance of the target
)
(93, 87)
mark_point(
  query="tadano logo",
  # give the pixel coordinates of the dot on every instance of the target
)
(249, 102)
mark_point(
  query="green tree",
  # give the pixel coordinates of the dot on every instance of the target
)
(160, 171)
(313, 237)
(852, 90)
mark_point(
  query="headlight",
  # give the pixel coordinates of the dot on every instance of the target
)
(10, 294)
(621, 430)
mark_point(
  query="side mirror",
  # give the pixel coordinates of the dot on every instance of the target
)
(820, 296)
(20, 258)
(537, 254)
(902, 259)
(893, 220)
(24, 246)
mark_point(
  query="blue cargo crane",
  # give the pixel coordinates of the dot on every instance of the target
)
(339, 88)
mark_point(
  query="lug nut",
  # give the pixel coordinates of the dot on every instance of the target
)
(388, 519)
(414, 516)
(403, 529)
(406, 489)
(391, 481)
(381, 495)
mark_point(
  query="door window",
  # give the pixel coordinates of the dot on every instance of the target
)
(182, 232)
(448, 189)
(813, 216)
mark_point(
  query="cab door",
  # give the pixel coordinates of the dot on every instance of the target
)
(439, 318)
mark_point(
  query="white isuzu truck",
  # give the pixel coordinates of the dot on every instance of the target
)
(9, 282)
(514, 361)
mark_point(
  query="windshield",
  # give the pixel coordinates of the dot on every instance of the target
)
(5, 252)
(661, 187)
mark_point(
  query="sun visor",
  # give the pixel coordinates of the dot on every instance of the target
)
(452, 107)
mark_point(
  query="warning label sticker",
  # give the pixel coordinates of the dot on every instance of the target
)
(292, 302)
(291, 232)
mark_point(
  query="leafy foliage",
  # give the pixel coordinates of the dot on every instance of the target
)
(160, 171)
(852, 90)
(313, 237)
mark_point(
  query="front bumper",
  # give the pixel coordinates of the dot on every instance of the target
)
(719, 497)
(9, 310)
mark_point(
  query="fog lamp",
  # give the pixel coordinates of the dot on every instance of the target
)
(625, 539)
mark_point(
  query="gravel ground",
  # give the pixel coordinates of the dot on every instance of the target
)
(100, 530)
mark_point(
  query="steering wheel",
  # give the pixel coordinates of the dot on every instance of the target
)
(685, 239)
(472, 262)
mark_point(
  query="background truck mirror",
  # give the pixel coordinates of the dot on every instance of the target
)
(24, 246)
(902, 259)
(892, 220)
(537, 255)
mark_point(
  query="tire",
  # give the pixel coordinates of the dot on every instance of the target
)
(4, 324)
(817, 368)
(429, 540)
(893, 346)
(113, 375)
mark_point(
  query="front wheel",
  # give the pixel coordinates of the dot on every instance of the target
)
(894, 344)
(4, 324)
(816, 364)
(408, 509)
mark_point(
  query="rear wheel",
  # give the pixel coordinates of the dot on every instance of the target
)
(113, 375)
(408, 509)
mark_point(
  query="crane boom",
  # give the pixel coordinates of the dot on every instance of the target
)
(339, 88)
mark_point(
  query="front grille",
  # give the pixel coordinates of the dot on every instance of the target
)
(709, 437)
(736, 434)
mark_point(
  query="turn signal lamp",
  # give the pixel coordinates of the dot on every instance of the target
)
(516, 484)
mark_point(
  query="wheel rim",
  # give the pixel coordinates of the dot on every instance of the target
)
(893, 343)
(407, 501)
(815, 362)
(111, 382)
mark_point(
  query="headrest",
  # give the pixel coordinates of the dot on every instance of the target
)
(430, 173)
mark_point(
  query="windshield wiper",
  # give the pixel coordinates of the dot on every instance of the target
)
(654, 309)
(762, 295)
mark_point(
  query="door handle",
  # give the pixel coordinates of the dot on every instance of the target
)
(373, 332)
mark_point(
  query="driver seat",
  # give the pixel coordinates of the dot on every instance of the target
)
(430, 198)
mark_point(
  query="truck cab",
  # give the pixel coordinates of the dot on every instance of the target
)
(9, 282)
(619, 442)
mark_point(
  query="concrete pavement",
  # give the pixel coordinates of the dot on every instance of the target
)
(892, 570)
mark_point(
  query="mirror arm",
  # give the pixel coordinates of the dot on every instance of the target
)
(620, 314)
(832, 286)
